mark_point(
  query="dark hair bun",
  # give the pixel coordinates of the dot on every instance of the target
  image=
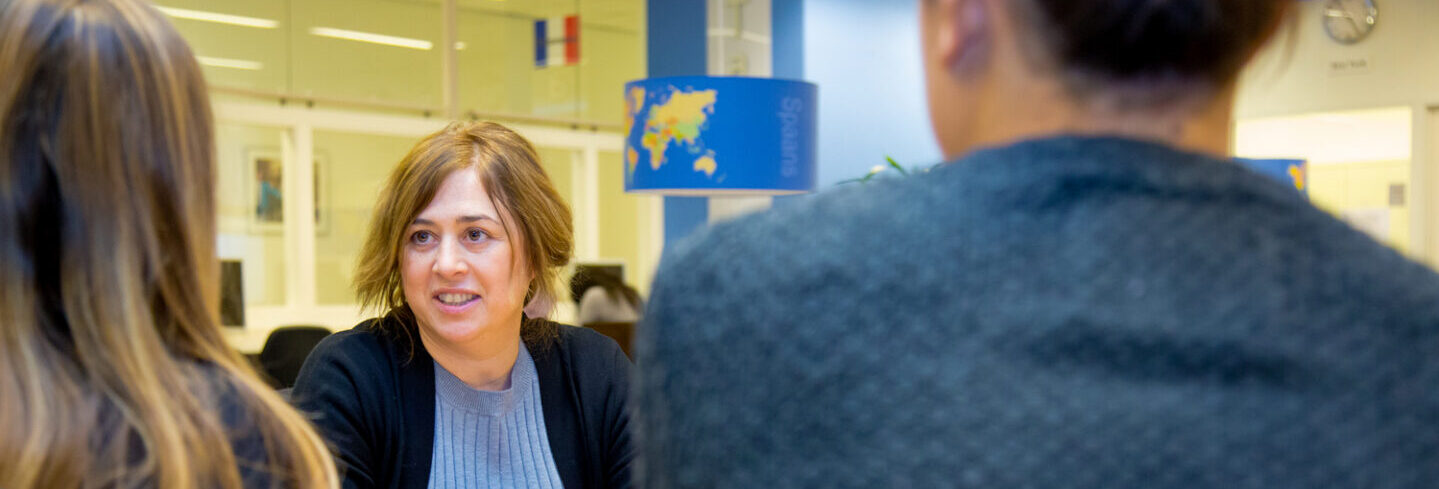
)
(1139, 39)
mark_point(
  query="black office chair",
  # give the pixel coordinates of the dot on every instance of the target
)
(285, 351)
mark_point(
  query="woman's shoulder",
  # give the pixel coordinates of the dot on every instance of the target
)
(583, 350)
(368, 352)
(368, 340)
(585, 341)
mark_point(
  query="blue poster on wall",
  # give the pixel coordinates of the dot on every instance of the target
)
(1290, 171)
(705, 135)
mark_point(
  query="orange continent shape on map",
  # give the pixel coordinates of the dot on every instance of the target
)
(656, 146)
(706, 164)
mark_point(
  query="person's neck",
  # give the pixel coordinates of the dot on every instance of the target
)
(483, 364)
(1202, 127)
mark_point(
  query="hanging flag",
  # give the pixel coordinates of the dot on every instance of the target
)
(557, 41)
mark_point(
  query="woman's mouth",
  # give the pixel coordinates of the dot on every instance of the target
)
(456, 300)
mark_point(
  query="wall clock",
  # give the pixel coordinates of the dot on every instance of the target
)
(1349, 21)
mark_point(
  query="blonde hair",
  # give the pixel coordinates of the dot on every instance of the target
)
(115, 373)
(510, 171)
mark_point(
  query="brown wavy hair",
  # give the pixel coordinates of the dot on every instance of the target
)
(529, 206)
(115, 373)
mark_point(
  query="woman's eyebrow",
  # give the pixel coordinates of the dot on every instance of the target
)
(462, 219)
(469, 219)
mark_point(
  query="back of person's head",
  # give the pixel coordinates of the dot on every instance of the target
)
(114, 366)
(1003, 70)
(1146, 48)
(615, 287)
(529, 206)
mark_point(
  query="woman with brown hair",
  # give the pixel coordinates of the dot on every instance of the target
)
(115, 373)
(455, 385)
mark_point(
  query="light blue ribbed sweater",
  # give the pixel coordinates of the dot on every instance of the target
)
(491, 439)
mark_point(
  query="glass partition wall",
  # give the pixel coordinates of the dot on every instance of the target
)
(317, 100)
(445, 57)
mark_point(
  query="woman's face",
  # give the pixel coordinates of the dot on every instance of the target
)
(463, 273)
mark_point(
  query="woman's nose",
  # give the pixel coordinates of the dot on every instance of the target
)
(450, 260)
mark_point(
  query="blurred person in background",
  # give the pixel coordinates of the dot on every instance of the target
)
(113, 371)
(608, 299)
(460, 383)
(1088, 295)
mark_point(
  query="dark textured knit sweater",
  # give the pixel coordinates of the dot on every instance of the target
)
(1061, 313)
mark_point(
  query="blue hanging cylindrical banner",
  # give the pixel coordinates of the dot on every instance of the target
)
(1291, 171)
(709, 135)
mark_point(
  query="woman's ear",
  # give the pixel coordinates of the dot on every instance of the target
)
(975, 33)
(959, 32)
(539, 306)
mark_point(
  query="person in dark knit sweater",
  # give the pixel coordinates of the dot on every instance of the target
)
(463, 383)
(1088, 295)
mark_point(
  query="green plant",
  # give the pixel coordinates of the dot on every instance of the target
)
(878, 169)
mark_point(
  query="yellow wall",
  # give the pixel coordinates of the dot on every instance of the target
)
(1363, 187)
(1305, 73)
(356, 70)
(351, 170)
(1353, 159)
(260, 246)
(1296, 74)
(619, 220)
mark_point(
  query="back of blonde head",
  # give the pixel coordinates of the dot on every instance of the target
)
(115, 373)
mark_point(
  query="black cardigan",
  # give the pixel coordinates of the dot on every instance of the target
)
(376, 406)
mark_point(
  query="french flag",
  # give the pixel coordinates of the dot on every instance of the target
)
(557, 41)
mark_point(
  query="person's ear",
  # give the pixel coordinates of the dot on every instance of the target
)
(962, 33)
(539, 306)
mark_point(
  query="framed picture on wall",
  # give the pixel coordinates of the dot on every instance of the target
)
(266, 191)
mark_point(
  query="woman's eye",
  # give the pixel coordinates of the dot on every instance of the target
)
(421, 237)
(476, 235)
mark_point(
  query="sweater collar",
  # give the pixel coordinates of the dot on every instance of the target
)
(453, 392)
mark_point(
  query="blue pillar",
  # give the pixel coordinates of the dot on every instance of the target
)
(677, 48)
(787, 27)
